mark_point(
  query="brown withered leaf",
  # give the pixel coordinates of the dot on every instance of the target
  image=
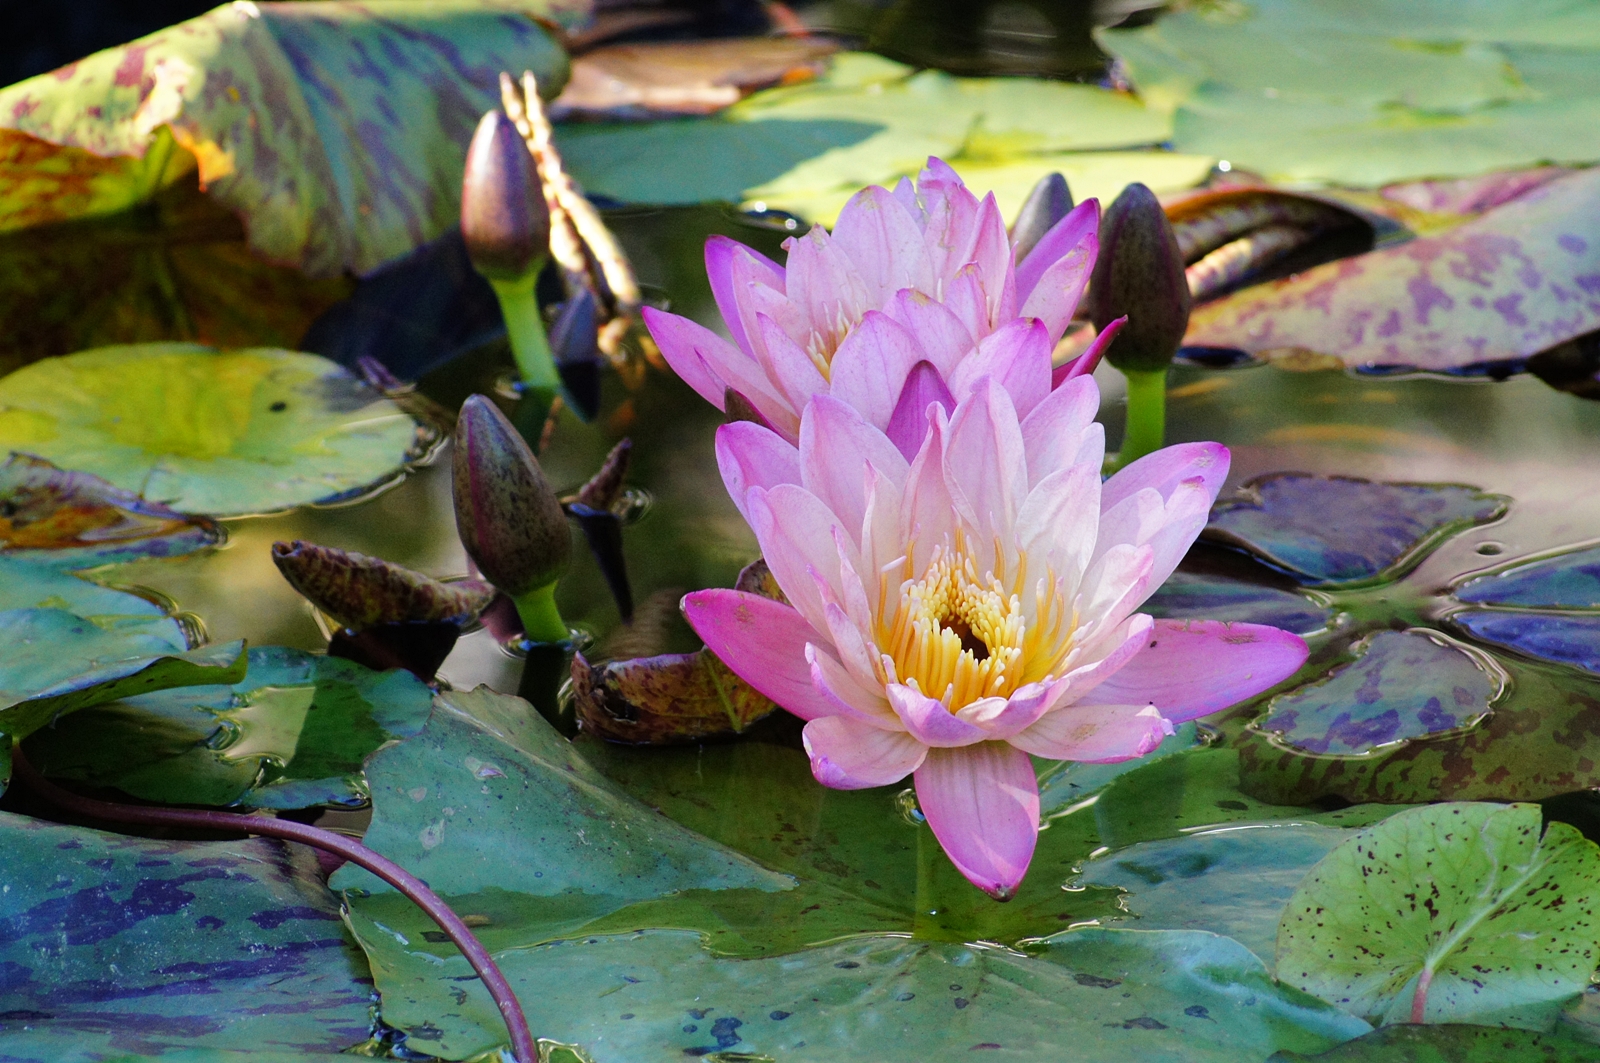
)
(604, 489)
(359, 592)
(667, 79)
(672, 697)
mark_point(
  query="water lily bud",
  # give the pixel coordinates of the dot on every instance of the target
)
(504, 220)
(1048, 203)
(508, 518)
(1140, 273)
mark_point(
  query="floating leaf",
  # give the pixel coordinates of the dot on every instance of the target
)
(661, 79)
(1094, 996)
(24, 585)
(1449, 1044)
(117, 946)
(1306, 92)
(1573, 640)
(335, 159)
(76, 520)
(1230, 880)
(221, 432)
(806, 148)
(1339, 529)
(292, 733)
(58, 663)
(1515, 281)
(1403, 685)
(1063, 784)
(1449, 913)
(1193, 596)
(1568, 580)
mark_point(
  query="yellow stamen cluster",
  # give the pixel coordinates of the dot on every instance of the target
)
(959, 637)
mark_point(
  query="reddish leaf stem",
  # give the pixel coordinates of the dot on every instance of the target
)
(522, 1043)
(1419, 999)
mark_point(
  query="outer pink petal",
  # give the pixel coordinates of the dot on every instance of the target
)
(1167, 468)
(941, 334)
(885, 243)
(793, 373)
(1111, 652)
(1192, 668)
(847, 755)
(1004, 717)
(928, 514)
(1183, 519)
(929, 721)
(963, 294)
(1081, 222)
(836, 447)
(871, 365)
(763, 642)
(750, 455)
(1096, 734)
(908, 425)
(983, 805)
(1085, 363)
(695, 352)
(1050, 433)
(848, 695)
(1055, 299)
(985, 469)
(721, 253)
(795, 531)
(823, 283)
(1017, 356)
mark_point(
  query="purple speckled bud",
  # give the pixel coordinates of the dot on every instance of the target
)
(1140, 273)
(508, 518)
(504, 220)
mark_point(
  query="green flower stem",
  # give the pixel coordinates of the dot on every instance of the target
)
(1147, 415)
(525, 328)
(541, 620)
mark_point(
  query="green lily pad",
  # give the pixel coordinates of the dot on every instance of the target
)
(72, 520)
(1231, 880)
(58, 663)
(1308, 92)
(1087, 995)
(1450, 1044)
(117, 946)
(292, 734)
(1062, 784)
(26, 585)
(1340, 529)
(806, 148)
(221, 432)
(1403, 685)
(337, 133)
(1454, 913)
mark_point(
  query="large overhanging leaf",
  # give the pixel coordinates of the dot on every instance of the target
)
(1306, 90)
(1508, 284)
(336, 131)
(293, 733)
(806, 149)
(1458, 1043)
(1092, 996)
(1448, 913)
(220, 432)
(116, 947)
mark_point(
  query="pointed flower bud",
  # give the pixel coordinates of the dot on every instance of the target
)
(1140, 273)
(1048, 203)
(508, 518)
(504, 220)
(359, 592)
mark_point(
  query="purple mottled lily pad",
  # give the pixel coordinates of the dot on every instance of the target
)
(1337, 529)
(1573, 639)
(114, 946)
(1404, 685)
(1189, 596)
(1566, 581)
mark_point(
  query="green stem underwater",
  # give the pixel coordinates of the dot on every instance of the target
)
(1147, 415)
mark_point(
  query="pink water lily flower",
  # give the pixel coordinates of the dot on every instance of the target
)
(954, 611)
(922, 274)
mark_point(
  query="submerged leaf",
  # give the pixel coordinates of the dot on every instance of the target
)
(291, 734)
(118, 946)
(76, 520)
(337, 132)
(1449, 913)
(220, 432)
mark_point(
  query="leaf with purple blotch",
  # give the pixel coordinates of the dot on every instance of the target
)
(1573, 639)
(1542, 607)
(1568, 580)
(1404, 685)
(1339, 529)
(112, 945)
(1192, 596)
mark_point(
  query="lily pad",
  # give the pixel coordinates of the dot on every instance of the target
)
(1567, 580)
(1193, 596)
(1449, 913)
(1450, 1044)
(1403, 685)
(806, 148)
(293, 733)
(24, 585)
(1308, 92)
(336, 159)
(1517, 280)
(73, 520)
(1087, 995)
(58, 663)
(1231, 880)
(1063, 784)
(1339, 529)
(117, 946)
(221, 432)
(1573, 640)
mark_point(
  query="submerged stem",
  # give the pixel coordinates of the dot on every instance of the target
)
(417, 891)
(1147, 415)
